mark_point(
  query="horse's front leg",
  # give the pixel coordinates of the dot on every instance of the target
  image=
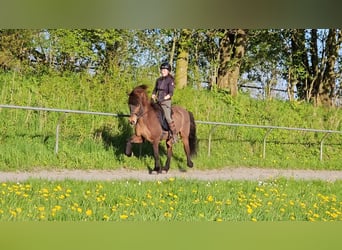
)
(157, 166)
(169, 155)
(133, 139)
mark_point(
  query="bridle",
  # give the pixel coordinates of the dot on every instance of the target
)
(137, 111)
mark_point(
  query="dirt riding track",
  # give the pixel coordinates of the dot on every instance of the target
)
(207, 175)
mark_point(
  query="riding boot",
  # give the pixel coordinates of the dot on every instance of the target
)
(173, 132)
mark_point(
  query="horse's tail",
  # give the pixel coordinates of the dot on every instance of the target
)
(192, 135)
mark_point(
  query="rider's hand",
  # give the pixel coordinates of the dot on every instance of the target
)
(167, 97)
(154, 97)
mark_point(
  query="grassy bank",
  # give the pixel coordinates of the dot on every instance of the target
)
(27, 138)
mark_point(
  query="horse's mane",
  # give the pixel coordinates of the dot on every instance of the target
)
(138, 95)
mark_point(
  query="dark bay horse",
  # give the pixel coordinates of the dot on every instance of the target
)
(145, 116)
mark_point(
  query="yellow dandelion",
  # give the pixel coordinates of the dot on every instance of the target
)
(311, 219)
(41, 209)
(196, 201)
(218, 203)
(303, 205)
(89, 212)
(13, 213)
(123, 216)
(167, 215)
(249, 209)
(57, 188)
(210, 198)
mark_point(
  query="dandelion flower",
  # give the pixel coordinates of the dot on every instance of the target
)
(89, 212)
(123, 216)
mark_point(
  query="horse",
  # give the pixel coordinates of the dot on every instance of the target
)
(147, 118)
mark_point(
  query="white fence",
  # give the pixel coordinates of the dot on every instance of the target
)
(211, 132)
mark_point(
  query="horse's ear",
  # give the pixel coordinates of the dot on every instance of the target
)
(143, 86)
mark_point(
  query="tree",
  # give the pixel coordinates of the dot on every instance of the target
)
(312, 67)
(15, 46)
(232, 50)
(181, 76)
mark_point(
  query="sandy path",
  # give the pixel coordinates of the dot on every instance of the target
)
(207, 175)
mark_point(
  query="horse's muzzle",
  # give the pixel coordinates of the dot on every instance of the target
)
(133, 119)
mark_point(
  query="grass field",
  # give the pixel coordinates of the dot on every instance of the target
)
(27, 138)
(171, 200)
(27, 141)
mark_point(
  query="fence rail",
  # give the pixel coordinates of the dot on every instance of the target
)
(269, 130)
(64, 111)
(211, 132)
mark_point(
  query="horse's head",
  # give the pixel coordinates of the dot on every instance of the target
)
(137, 101)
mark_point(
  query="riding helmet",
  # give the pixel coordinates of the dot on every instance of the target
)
(165, 65)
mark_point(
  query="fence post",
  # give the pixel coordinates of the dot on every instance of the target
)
(61, 118)
(209, 139)
(321, 147)
(264, 149)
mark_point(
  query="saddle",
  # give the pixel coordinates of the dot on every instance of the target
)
(161, 116)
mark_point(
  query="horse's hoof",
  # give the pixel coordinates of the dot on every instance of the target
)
(165, 170)
(157, 170)
(190, 164)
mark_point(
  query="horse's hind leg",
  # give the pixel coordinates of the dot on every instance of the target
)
(187, 152)
(169, 155)
(157, 166)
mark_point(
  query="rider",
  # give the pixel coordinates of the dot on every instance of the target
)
(163, 92)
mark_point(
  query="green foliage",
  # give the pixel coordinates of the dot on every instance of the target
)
(27, 138)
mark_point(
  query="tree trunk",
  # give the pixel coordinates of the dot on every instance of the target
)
(232, 50)
(326, 91)
(181, 75)
(173, 47)
(316, 80)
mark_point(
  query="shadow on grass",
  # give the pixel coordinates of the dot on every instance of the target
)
(116, 141)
